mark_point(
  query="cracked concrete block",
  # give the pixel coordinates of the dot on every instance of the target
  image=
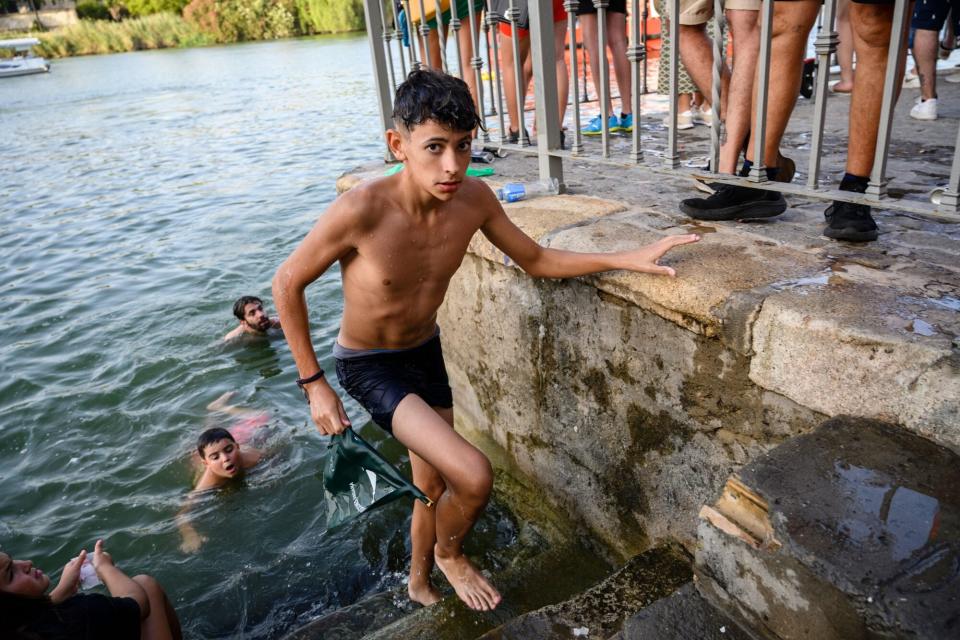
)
(854, 349)
(851, 531)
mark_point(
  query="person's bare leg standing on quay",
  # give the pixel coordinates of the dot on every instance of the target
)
(696, 52)
(792, 22)
(871, 24)
(616, 26)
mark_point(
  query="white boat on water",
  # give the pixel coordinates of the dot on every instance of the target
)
(24, 61)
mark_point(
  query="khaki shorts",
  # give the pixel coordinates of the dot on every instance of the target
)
(693, 12)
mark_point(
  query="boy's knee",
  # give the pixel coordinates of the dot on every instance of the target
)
(477, 482)
(434, 488)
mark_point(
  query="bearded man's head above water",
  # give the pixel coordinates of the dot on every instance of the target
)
(428, 95)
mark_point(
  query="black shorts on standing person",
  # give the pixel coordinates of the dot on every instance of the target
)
(615, 6)
(380, 378)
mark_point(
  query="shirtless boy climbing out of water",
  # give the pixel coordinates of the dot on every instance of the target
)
(399, 240)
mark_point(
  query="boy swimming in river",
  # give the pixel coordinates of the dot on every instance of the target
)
(399, 240)
(222, 459)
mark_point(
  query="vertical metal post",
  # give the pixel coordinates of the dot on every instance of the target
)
(643, 43)
(387, 34)
(878, 181)
(384, 94)
(825, 45)
(441, 36)
(425, 35)
(637, 54)
(476, 62)
(546, 96)
(571, 7)
(586, 96)
(718, 54)
(671, 158)
(950, 199)
(492, 18)
(412, 35)
(513, 15)
(604, 88)
(398, 36)
(455, 28)
(490, 65)
(757, 172)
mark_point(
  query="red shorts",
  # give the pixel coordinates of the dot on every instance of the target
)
(559, 14)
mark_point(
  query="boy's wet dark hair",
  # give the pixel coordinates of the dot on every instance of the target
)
(240, 304)
(208, 437)
(432, 95)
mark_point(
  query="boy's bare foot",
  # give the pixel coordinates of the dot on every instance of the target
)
(425, 593)
(468, 582)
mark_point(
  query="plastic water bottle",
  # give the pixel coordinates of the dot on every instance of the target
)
(514, 191)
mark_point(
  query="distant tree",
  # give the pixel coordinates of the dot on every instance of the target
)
(148, 7)
(330, 16)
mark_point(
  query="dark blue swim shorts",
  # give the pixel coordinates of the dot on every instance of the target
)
(380, 378)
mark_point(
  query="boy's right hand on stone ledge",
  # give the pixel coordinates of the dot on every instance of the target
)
(326, 409)
(645, 259)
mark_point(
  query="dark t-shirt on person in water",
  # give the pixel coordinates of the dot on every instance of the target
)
(89, 617)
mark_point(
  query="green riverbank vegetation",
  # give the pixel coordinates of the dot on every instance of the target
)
(108, 26)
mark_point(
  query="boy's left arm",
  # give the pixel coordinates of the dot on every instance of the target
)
(543, 262)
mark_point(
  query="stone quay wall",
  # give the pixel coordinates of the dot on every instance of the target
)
(630, 399)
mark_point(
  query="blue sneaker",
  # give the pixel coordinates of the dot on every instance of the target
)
(626, 122)
(595, 126)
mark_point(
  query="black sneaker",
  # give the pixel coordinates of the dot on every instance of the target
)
(733, 202)
(849, 221)
(513, 137)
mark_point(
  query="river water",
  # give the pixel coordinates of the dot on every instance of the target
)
(140, 195)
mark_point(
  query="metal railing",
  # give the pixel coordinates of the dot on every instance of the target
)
(383, 27)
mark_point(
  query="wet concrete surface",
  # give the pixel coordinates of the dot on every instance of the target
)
(599, 612)
(683, 615)
(866, 519)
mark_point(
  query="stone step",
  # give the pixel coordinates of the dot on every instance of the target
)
(352, 622)
(683, 615)
(600, 611)
(527, 585)
(849, 532)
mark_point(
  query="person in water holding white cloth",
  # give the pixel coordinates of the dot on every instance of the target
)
(399, 239)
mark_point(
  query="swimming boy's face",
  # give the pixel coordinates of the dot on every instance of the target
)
(223, 458)
(21, 577)
(436, 158)
(255, 317)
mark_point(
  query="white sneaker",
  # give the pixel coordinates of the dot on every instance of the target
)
(954, 78)
(702, 116)
(924, 109)
(684, 120)
(911, 80)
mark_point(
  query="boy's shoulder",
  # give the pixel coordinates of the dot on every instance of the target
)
(207, 481)
(366, 201)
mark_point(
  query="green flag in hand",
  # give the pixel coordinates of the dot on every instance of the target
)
(356, 479)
